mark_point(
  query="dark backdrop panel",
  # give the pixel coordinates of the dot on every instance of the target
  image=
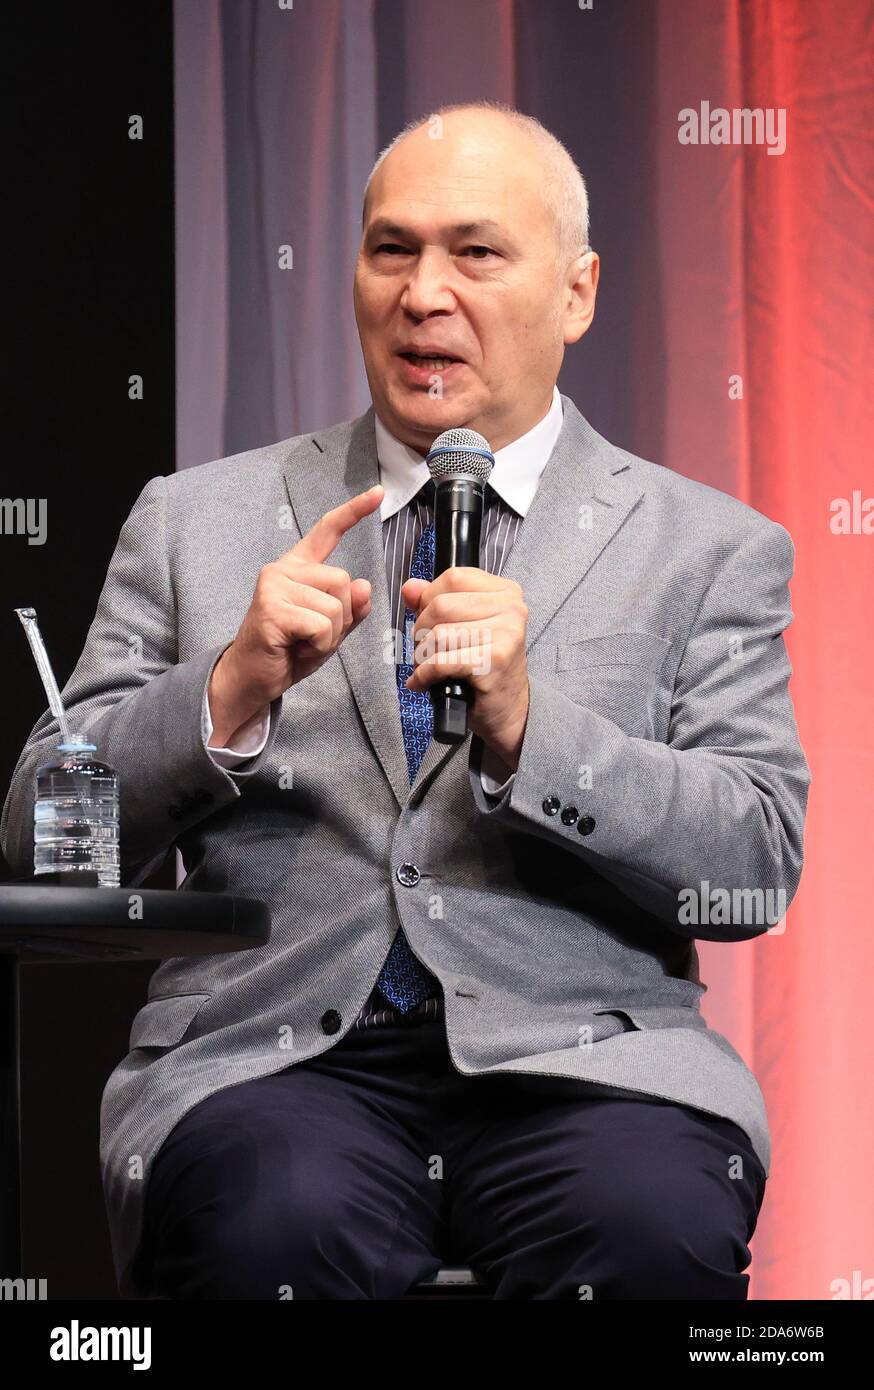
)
(88, 302)
(592, 84)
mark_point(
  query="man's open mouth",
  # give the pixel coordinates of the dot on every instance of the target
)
(436, 364)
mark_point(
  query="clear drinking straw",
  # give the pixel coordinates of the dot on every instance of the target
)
(44, 666)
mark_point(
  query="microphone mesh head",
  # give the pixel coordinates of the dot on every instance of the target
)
(460, 451)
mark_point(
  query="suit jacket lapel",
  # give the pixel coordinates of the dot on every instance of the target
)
(334, 466)
(585, 493)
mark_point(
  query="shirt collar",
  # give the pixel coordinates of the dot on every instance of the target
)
(517, 470)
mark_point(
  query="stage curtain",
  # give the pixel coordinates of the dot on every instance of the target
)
(731, 343)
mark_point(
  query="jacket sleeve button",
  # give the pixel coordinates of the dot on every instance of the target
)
(551, 806)
(586, 824)
(331, 1021)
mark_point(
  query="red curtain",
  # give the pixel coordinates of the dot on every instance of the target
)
(766, 274)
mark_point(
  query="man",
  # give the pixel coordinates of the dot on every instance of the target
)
(475, 1032)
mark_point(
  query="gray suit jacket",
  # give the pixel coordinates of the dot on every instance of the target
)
(659, 710)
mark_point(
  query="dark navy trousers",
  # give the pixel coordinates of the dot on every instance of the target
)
(359, 1172)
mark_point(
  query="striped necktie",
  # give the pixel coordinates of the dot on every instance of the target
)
(403, 980)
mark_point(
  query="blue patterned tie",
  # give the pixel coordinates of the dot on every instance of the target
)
(403, 979)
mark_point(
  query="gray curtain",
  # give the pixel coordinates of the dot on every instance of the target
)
(280, 114)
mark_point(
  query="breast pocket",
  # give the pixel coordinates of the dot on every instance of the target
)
(164, 1021)
(617, 674)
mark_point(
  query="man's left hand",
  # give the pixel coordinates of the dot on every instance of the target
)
(470, 625)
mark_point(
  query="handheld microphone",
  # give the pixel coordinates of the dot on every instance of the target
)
(460, 462)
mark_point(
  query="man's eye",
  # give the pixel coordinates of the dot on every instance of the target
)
(486, 250)
(390, 247)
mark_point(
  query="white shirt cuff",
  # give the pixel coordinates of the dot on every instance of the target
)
(495, 776)
(249, 741)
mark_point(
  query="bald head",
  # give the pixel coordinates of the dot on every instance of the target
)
(513, 136)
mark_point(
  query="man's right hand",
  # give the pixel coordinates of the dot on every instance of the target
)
(300, 612)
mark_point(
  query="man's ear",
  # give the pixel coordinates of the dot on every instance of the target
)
(582, 289)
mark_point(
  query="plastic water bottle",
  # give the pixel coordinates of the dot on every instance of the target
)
(76, 818)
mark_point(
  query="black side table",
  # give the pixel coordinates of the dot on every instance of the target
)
(53, 924)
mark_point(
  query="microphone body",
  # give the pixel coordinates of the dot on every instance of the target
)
(460, 462)
(458, 517)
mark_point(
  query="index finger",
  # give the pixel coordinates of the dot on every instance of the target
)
(317, 544)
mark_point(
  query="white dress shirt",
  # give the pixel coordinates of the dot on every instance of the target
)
(402, 473)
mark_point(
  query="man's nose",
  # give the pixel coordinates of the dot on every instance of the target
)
(428, 289)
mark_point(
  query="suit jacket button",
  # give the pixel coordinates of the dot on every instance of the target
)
(551, 806)
(569, 815)
(408, 875)
(174, 812)
(331, 1021)
(586, 824)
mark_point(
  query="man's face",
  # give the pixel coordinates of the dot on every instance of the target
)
(459, 257)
